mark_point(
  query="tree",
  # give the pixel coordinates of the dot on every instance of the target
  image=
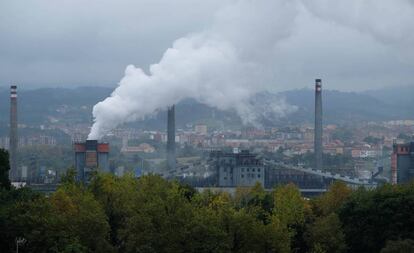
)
(205, 232)
(289, 206)
(160, 219)
(371, 217)
(290, 210)
(69, 177)
(116, 196)
(70, 220)
(332, 200)
(80, 218)
(326, 235)
(12, 203)
(239, 226)
(399, 246)
(4, 170)
(255, 200)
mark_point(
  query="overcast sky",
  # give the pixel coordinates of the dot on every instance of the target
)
(351, 45)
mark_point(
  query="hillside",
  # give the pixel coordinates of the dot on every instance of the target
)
(70, 106)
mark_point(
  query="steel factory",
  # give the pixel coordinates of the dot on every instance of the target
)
(242, 167)
(90, 157)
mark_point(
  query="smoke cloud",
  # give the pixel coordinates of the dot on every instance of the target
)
(220, 67)
(225, 65)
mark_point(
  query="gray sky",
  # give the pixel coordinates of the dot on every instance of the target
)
(351, 45)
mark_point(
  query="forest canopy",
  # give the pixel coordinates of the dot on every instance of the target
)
(150, 214)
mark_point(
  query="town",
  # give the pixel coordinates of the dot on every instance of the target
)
(358, 150)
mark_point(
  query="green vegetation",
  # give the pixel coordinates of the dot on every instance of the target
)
(371, 218)
(151, 214)
(4, 170)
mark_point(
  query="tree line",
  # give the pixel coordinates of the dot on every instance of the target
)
(150, 214)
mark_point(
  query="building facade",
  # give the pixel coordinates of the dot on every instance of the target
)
(402, 163)
(90, 156)
(238, 169)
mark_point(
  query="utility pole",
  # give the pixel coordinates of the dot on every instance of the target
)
(19, 241)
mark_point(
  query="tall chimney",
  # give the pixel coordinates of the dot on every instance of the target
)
(14, 175)
(171, 162)
(318, 148)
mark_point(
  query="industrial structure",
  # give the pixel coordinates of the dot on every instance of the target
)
(351, 181)
(14, 173)
(90, 156)
(171, 159)
(402, 163)
(237, 169)
(318, 148)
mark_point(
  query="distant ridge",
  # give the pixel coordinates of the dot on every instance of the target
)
(75, 105)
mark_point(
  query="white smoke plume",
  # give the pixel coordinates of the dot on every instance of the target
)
(220, 67)
(229, 62)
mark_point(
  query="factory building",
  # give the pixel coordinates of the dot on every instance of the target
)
(402, 163)
(318, 148)
(90, 156)
(237, 169)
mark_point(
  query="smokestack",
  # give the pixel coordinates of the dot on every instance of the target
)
(171, 162)
(14, 175)
(318, 148)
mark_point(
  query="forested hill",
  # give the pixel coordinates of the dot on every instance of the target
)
(67, 105)
(39, 105)
(339, 107)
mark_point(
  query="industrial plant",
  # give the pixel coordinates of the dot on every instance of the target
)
(90, 157)
(226, 163)
(402, 163)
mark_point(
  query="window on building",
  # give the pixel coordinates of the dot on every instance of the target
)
(247, 169)
(258, 169)
(253, 169)
(242, 176)
(258, 175)
(225, 169)
(225, 178)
